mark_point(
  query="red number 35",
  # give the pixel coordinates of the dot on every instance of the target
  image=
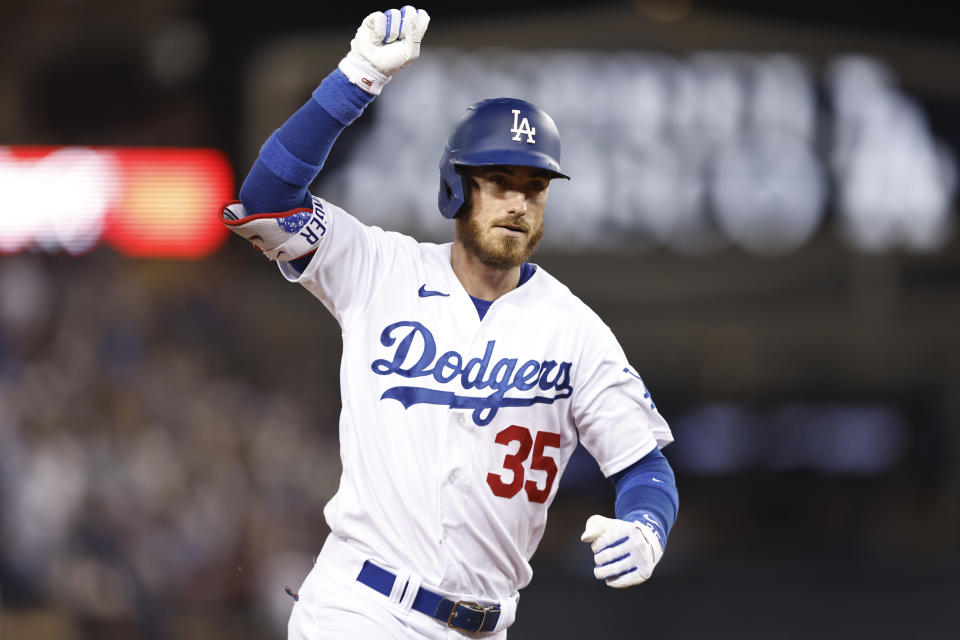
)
(514, 463)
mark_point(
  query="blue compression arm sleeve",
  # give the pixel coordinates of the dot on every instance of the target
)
(293, 155)
(647, 491)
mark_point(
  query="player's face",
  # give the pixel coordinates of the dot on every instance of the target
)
(505, 221)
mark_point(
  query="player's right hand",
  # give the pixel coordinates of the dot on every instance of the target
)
(386, 42)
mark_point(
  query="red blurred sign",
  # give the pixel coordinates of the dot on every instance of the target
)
(156, 202)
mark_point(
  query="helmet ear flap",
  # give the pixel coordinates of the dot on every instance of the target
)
(465, 189)
(454, 191)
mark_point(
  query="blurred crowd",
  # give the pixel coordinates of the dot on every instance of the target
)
(157, 452)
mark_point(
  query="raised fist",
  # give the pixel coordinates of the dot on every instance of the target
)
(386, 42)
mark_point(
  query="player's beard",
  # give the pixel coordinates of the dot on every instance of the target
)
(496, 250)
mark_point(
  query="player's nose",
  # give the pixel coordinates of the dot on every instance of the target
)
(518, 202)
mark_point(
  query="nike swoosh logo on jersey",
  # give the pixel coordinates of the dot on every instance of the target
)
(656, 479)
(426, 293)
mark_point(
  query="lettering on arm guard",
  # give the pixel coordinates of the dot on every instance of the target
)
(285, 236)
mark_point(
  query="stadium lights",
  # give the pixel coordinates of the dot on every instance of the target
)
(143, 202)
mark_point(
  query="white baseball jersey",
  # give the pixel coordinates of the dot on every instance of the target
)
(454, 431)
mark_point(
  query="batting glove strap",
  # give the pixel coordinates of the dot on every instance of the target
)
(625, 553)
(362, 73)
(386, 42)
(284, 237)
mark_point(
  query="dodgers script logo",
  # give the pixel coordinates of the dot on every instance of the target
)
(476, 373)
(522, 127)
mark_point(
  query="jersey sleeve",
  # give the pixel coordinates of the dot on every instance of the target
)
(350, 263)
(616, 417)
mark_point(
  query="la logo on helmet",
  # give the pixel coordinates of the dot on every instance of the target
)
(522, 127)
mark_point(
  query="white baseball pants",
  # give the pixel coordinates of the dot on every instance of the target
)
(333, 605)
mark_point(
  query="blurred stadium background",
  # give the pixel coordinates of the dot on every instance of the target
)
(764, 209)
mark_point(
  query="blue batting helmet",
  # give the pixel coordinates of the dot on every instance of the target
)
(497, 131)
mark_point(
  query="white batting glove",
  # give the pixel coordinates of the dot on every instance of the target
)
(625, 552)
(386, 42)
(280, 236)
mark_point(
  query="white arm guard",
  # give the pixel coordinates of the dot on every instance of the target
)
(280, 236)
(385, 43)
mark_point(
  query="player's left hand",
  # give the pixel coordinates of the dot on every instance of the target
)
(625, 552)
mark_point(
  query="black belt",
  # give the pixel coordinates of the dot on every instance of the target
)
(461, 614)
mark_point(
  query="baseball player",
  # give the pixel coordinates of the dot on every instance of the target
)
(468, 373)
